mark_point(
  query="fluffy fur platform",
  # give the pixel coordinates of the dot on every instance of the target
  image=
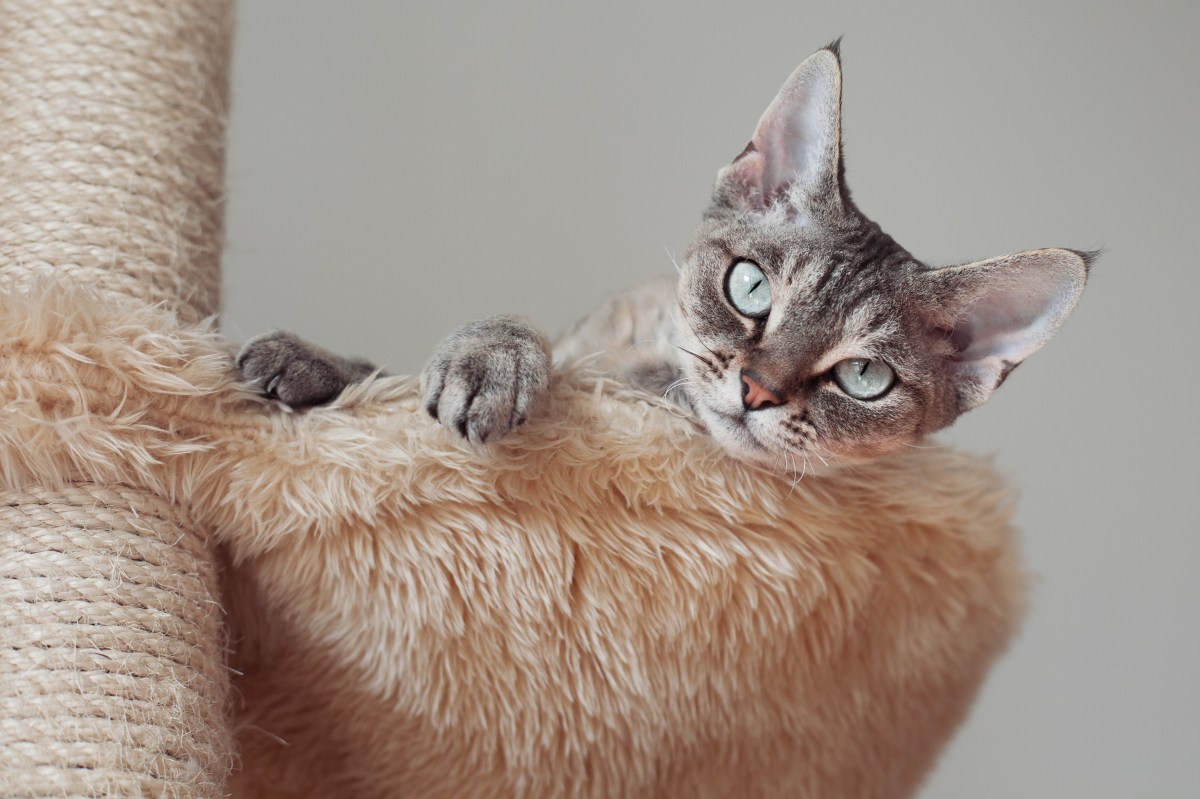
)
(602, 605)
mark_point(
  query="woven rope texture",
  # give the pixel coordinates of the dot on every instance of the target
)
(112, 118)
(109, 682)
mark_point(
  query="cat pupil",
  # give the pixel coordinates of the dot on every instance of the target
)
(864, 378)
(748, 290)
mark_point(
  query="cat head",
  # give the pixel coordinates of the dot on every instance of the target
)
(812, 336)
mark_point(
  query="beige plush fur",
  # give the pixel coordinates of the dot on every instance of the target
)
(602, 605)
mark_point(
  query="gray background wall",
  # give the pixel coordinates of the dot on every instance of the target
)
(397, 169)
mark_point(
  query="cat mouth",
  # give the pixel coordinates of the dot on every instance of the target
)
(734, 425)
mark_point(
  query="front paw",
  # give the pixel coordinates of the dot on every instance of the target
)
(485, 379)
(288, 368)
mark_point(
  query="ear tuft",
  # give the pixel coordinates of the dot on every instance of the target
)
(1089, 257)
(835, 47)
(1000, 311)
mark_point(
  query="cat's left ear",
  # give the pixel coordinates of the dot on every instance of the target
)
(796, 151)
(998, 312)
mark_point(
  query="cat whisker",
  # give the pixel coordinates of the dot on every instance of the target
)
(674, 263)
(678, 412)
(700, 358)
(843, 464)
(775, 469)
(682, 403)
(797, 474)
(695, 335)
(683, 381)
(817, 446)
(783, 470)
(789, 462)
(646, 342)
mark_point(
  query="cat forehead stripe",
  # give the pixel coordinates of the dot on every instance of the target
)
(805, 273)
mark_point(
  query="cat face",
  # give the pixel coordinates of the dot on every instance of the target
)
(838, 366)
(809, 336)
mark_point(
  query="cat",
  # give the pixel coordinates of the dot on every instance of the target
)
(798, 331)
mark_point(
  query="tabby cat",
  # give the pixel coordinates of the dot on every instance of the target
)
(799, 332)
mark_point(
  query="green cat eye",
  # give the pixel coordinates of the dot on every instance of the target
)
(863, 378)
(749, 290)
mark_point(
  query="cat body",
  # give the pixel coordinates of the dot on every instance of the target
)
(798, 332)
(572, 623)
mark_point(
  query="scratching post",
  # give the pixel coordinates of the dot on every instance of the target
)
(112, 677)
(113, 683)
(112, 133)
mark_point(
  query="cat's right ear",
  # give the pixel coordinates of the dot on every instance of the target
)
(795, 155)
(996, 313)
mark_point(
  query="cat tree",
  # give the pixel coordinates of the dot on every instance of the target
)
(604, 605)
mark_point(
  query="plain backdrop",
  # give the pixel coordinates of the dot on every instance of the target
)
(397, 169)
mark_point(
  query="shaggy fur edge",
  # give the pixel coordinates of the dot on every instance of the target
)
(601, 605)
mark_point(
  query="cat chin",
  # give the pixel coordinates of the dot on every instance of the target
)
(791, 464)
(739, 443)
(735, 438)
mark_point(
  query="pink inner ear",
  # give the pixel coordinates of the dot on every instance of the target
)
(794, 153)
(1013, 305)
(1014, 319)
(798, 135)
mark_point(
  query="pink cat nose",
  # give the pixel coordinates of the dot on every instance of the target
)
(756, 396)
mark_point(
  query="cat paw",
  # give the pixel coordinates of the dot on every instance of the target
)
(299, 374)
(485, 379)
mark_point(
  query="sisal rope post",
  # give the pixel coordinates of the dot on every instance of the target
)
(113, 680)
(112, 119)
(112, 674)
